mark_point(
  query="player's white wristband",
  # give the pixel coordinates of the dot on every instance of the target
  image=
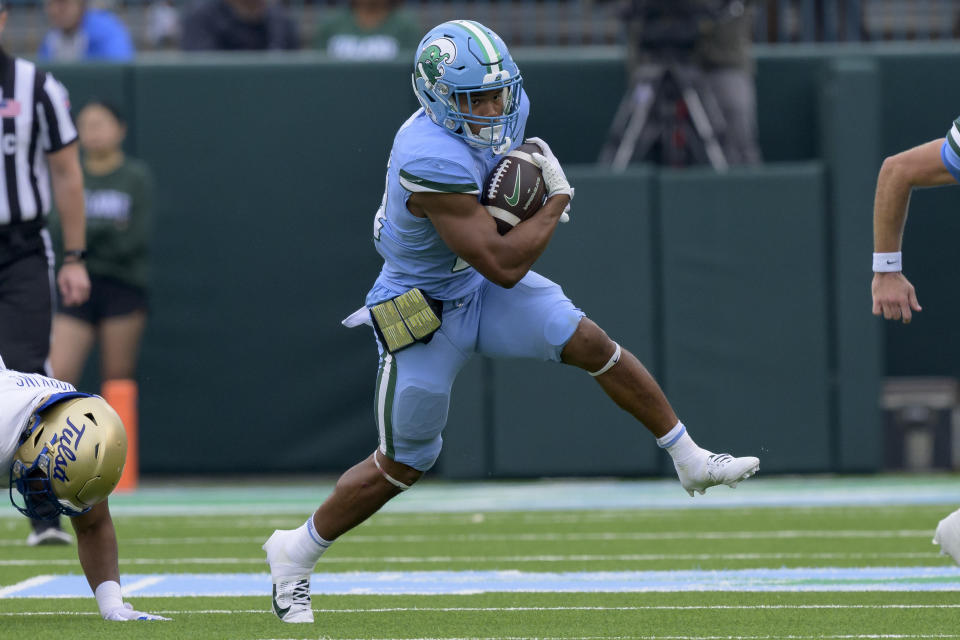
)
(108, 597)
(884, 262)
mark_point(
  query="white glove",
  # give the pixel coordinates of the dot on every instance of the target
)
(113, 608)
(553, 176)
(127, 612)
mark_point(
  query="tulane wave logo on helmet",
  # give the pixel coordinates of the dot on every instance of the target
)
(430, 63)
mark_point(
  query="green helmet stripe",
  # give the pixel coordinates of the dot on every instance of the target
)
(487, 45)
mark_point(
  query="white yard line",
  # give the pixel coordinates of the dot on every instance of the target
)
(29, 583)
(131, 588)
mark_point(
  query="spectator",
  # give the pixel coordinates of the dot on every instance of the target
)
(80, 33)
(162, 28)
(369, 30)
(238, 25)
(118, 205)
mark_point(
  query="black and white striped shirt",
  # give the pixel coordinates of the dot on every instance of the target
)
(35, 111)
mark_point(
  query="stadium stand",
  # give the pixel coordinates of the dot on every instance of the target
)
(573, 22)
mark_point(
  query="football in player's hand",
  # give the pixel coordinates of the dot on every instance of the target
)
(514, 190)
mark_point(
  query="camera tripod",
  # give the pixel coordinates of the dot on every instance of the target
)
(669, 105)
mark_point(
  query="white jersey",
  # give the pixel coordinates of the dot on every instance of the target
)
(20, 394)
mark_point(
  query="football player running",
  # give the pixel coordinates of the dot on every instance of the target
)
(62, 452)
(451, 286)
(930, 164)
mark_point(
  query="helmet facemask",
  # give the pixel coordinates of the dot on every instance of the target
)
(37, 499)
(495, 131)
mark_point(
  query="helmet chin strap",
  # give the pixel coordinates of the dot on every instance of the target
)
(485, 136)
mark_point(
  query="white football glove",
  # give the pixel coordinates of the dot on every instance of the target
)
(553, 176)
(127, 612)
(112, 607)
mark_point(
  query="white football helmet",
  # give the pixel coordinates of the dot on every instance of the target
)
(70, 457)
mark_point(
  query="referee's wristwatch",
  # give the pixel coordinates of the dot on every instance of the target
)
(76, 255)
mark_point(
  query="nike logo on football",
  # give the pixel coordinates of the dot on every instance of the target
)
(276, 607)
(515, 198)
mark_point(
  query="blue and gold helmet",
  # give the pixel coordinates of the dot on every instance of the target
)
(70, 457)
(456, 59)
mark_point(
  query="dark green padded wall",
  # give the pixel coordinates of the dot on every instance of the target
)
(745, 329)
(786, 105)
(572, 104)
(850, 131)
(918, 105)
(467, 447)
(103, 81)
(550, 418)
(263, 245)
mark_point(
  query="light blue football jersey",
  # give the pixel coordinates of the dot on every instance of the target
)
(425, 158)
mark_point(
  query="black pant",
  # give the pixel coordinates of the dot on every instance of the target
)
(26, 313)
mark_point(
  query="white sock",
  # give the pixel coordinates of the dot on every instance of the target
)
(305, 545)
(679, 444)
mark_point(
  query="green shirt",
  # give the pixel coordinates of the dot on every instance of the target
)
(119, 211)
(341, 37)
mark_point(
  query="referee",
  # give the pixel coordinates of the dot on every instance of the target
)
(38, 150)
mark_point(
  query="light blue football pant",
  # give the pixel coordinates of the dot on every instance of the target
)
(534, 319)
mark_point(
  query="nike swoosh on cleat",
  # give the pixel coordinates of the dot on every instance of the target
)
(280, 612)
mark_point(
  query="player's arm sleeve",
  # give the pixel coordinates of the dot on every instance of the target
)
(437, 175)
(950, 151)
(53, 110)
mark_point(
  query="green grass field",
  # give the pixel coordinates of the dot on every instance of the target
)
(162, 534)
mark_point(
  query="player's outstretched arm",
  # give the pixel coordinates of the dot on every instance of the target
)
(97, 549)
(893, 296)
(471, 233)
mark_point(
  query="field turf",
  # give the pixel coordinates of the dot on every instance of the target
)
(170, 533)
